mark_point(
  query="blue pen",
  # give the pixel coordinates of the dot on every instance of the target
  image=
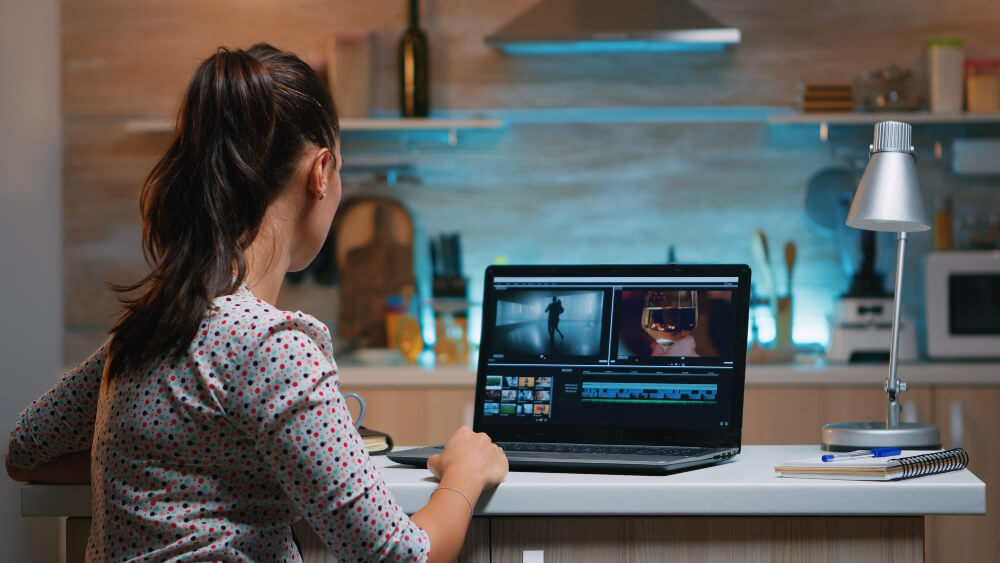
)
(874, 452)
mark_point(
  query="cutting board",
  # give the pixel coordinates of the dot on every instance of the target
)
(373, 245)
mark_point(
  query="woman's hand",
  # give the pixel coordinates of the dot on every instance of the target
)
(470, 453)
(469, 463)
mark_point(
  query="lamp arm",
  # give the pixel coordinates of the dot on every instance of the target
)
(893, 386)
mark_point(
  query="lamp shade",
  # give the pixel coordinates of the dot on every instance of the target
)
(888, 196)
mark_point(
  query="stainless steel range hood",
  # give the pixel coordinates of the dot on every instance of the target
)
(606, 26)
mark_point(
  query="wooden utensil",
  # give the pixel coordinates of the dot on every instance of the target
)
(762, 258)
(789, 263)
(783, 318)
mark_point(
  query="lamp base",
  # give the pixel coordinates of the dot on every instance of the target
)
(847, 436)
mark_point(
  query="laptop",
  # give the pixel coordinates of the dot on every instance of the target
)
(623, 368)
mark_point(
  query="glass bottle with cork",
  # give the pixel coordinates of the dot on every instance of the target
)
(413, 68)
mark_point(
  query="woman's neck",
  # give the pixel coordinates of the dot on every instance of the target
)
(267, 262)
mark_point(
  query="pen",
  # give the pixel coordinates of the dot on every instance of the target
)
(874, 452)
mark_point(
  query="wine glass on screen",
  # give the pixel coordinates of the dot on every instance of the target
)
(670, 314)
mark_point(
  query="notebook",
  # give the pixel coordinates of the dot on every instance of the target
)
(611, 368)
(913, 464)
(377, 443)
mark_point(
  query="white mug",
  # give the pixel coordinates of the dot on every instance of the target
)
(361, 401)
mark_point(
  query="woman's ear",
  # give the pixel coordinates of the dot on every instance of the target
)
(318, 173)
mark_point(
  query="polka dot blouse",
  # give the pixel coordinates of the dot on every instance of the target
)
(212, 456)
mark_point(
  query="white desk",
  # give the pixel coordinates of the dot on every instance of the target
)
(730, 511)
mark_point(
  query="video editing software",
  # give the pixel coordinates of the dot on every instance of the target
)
(642, 351)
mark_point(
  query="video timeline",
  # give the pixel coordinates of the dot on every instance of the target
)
(649, 393)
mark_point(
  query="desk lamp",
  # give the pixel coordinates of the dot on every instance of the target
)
(888, 199)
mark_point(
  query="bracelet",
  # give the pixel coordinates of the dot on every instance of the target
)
(466, 497)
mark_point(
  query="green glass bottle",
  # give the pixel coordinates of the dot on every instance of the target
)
(413, 75)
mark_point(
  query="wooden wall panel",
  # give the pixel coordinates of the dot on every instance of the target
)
(796, 414)
(134, 58)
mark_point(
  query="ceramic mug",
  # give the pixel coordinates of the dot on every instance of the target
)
(361, 401)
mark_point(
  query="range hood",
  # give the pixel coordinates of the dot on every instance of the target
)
(601, 26)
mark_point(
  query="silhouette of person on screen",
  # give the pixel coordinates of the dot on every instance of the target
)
(554, 309)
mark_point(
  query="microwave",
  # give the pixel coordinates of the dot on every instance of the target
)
(962, 304)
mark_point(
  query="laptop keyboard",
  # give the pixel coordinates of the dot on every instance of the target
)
(602, 449)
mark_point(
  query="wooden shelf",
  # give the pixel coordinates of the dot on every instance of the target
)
(628, 114)
(418, 124)
(913, 118)
(166, 125)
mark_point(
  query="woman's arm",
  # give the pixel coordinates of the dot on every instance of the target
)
(469, 463)
(73, 468)
(291, 407)
(56, 425)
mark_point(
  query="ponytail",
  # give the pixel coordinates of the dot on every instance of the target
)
(246, 117)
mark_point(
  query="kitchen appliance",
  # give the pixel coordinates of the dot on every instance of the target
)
(862, 331)
(962, 298)
(861, 326)
(565, 27)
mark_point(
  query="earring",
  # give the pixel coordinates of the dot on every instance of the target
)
(322, 195)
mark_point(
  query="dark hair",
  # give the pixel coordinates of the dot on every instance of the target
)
(246, 118)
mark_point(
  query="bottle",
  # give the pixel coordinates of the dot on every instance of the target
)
(413, 76)
(409, 337)
(943, 225)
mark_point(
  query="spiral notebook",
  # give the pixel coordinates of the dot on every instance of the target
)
(915, 464)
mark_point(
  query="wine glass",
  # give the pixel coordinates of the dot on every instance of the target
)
(670, 314)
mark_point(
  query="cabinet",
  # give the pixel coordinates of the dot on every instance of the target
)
(795, 414)
(418, 415)
(773, 414)
(969, 415)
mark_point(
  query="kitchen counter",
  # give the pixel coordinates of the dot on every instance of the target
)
(746, 485)
(718, 513)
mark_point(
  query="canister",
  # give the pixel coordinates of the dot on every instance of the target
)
(945, 58)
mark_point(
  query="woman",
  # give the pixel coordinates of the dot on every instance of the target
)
(212, 420)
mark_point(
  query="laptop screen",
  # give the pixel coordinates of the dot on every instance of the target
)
(613, 354)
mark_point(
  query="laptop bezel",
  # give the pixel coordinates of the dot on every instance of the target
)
(723, 437)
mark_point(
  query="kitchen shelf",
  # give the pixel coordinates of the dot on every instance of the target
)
(401, 127)
(911, 117)
(628, 114)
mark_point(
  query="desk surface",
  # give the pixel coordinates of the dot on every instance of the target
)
(745, 485)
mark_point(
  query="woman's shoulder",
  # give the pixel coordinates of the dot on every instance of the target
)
(250, 319)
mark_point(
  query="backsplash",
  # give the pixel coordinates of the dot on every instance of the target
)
(530, 192)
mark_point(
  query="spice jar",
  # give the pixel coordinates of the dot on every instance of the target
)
(943, 225)
(982, 85)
